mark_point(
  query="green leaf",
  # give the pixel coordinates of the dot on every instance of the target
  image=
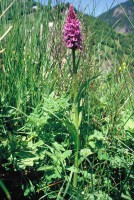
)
(85, 152)
(99, 144)
(52, 156)
(25, 154)
(27, 162)
(126, 197)
(72, 169)
(116, 161)
(96, 135)
(39, 143)
(65, 155)
(58, 146)
(102, 155)
(45, 168)
(58, 172)
(2, 185)
(72, 130)
(92, 144)
(129, 125)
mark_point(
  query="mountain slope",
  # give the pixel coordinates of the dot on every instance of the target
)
(121, 17)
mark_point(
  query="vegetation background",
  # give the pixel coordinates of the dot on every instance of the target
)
(36, 145)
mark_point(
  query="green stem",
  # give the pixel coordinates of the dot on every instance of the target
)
(76, 118)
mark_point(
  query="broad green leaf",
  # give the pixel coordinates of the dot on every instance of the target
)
(85, 152)
(65, 155)
(102, 155)
(54, 157)
(27, 162)
(92, 144)
(58, 146)
(27, 191)
(39, 143)
(58, 172)
(130, 125)
(96, 135)
(126, 197)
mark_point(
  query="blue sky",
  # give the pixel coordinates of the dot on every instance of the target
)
(94, 7)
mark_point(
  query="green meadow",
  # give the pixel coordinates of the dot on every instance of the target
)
(37, 133)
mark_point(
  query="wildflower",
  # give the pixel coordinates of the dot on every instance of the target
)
(123, 67)
(72, 31)
(120, 68)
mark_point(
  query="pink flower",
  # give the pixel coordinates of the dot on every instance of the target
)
(72, 30)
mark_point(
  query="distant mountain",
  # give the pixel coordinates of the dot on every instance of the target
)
(121, 17)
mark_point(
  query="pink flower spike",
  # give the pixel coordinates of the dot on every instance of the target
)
(72, 31)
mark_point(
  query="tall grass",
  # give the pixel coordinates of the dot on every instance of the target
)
(36, 147)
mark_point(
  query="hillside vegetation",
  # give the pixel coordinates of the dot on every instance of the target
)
(121, 17)
(38, 137)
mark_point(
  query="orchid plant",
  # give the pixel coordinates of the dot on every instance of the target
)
(73, 41)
